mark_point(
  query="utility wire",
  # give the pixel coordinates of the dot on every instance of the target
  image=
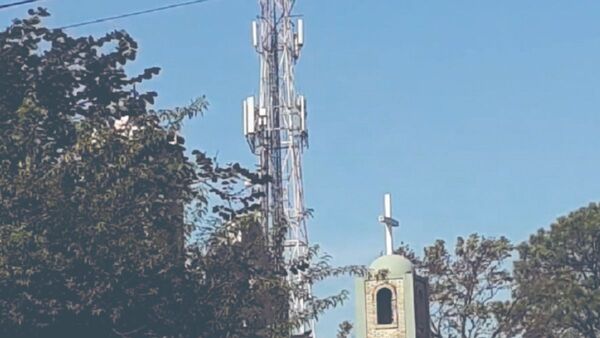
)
(18, 3)
(128, 15)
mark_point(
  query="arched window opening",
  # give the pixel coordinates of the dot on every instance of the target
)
(384, 306)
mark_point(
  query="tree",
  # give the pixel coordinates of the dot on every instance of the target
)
(91, 237)
(465, 287)
(344, 330)
(93, 188)
(558, 278)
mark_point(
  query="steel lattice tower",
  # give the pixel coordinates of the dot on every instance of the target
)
(275, 127)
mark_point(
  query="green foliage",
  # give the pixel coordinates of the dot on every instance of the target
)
(94, 187)
(91, 217)
(344, 330)
(237, 291)
(464, 286)
(558, 278)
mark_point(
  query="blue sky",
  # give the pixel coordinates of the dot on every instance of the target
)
(478, 116)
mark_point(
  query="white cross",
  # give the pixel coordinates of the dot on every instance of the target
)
(389, 223)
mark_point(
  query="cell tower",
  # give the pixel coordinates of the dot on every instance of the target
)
(275, 127)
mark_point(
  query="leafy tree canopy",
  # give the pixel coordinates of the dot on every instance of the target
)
(94, 186)
(464, 286)
(558, 278)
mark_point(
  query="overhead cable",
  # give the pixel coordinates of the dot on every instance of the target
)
(127, 15)
(18, 3)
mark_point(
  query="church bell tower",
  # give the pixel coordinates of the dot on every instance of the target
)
(392, 300)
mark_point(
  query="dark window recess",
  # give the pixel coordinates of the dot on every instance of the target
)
(384, 306)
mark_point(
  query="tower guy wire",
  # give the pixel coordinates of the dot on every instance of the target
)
(132, 14)
(18, 3)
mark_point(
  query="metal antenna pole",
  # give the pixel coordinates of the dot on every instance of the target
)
(275, 128)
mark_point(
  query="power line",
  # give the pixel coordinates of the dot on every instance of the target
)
(18, 3)
(128, 15)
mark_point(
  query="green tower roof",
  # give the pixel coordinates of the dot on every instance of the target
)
(396, 265)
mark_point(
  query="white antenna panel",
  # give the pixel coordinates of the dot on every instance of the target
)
(300, 33)
(302, 110)
(245, 116)
(255, 34)
(249, 116)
